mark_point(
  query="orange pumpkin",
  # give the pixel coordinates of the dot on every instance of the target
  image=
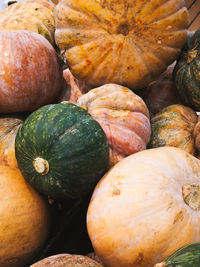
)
(24, 219)
(145, 208)
(30, 71)
(125, 42)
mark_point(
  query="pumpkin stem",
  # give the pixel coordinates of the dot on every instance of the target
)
(191, 195)
(191, 55)
(41, 165)
(161, 264)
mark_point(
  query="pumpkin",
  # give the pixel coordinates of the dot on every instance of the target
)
(30, 15)
(61, 260)
(186, 256)
(24, 219)
(62, 151)
(161, 93)
(8, 131)
(30, 71)
(122, 115)
(174, 126)
(186, 72)
(151, 208)
(124, 42)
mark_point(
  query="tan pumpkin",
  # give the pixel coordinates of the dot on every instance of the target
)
(122, 115)
(125, 42)
(24, 219)
(8, 131)
(145, 208)
(30, 71)
(30, 15)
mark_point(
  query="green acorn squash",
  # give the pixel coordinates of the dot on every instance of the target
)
(187, 256)
(186, 73)
(62, 151)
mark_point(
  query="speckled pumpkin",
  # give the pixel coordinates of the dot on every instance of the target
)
(125, 42)
(123, 116)
(174, 126)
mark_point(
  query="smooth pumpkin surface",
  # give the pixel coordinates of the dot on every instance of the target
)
(30, 71)
(124, 42)
(31, 15)
(62, 151)
(24, 219)
(8, 131)
(174, 126)
(151, 208)
(123, 116)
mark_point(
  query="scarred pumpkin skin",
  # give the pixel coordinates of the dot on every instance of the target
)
(151, 208)
(122, 115)
(8, 131)
(174, 126)
(30, 15)
(124, 42)
(30, 71)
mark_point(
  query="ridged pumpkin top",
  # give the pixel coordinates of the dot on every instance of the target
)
(123, 42)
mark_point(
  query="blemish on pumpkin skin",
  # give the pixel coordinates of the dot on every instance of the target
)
(139, 259)
(116, 192)
(179, 217)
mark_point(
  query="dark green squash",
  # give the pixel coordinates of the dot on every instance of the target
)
(187, 256)
(173, 126)
(62, 151)
(186, 73)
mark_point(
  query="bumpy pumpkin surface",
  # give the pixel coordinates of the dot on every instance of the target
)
(122, 115)
(151, 208)
(30, 15)
(125, 42)
(174, 126)
(187, 71)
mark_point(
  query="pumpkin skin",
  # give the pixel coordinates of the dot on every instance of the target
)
(62, 260)
(174, 126)
(30, 71)
(31, 15)
(123, 42)
(8, 131)
(155, 196)
(186, 73)
(62, 151)
(122, 115)
(24, 219)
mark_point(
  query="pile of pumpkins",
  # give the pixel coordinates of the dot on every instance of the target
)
(99, 101)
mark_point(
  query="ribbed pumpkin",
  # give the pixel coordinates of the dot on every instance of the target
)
(174, 126)
(125, 42)
(30, 15)
(24, 219)
(145, 208)
(187, 71)
(62, 151)
(122, 115)
(8, 131)
(30, 71)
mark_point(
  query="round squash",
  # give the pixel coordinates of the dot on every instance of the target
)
(125, 42)
(174, 126)
(8, 131)
(122, 115)
(151, 208)
(24, 219)
(30, 71)
(67, 260)
(186, 73)
(62, 151)
(31, 15)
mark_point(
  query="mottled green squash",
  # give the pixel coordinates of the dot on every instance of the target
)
(187, 256)
(62, 151)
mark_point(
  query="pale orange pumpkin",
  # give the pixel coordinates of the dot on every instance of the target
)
(24, 219)
(145, 208)
(30, 71)
(125, 42)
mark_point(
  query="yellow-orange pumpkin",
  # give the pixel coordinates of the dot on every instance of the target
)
(125, 42)
(145, 208)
